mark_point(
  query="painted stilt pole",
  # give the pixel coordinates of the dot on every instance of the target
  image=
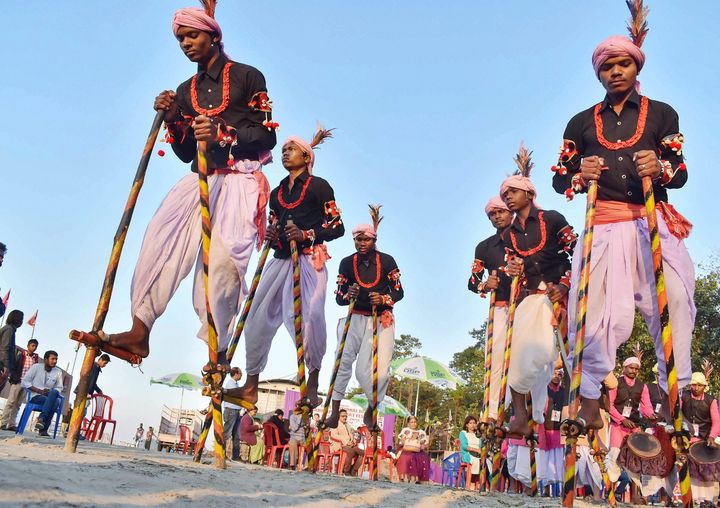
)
(375, 428)
(486, 396)
(680, 441)
(570, 427)
(107, 287)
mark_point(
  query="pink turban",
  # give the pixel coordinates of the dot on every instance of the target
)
(194, 17)
(305, 147)
(519, 182)
(364, 229)
(614, 46)
(633, 360)
(495, 202)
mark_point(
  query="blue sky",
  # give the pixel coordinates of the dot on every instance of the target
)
(430, 101)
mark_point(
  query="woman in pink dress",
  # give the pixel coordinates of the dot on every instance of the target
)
(413, 464)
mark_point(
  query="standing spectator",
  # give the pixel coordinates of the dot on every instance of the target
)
(342, 437)
(231, 416)
(279, 421)
(139, 434)
(95, 371)
(7, 343)
(46, 381)
(149, 437)
(413, 465)
(248, 438)
(470, 447)
(297, 437)
(24, 359)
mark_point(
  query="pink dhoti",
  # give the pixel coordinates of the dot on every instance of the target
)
(273, 306)
(172, 241)
(621, 280)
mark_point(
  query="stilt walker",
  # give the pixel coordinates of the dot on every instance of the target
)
(291, 290)
(635, 147)
(108, 283)
(225, 105)
(372, 279)
(490, 256)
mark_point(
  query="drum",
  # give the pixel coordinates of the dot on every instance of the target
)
(648, 454)
(704, 462)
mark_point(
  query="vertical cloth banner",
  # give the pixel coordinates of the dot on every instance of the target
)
(388, 425)
(291, 397)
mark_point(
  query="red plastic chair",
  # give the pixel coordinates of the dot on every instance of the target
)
(324, 455)
(271, 438)
(367, 458)
(101, 415)
(464, 475)
(186, 442)
(340, 454)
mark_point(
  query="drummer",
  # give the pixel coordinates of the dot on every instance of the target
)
(658, 398)
(700, 411)
(628, 402)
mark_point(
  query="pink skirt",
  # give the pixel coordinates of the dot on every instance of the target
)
(414, 464)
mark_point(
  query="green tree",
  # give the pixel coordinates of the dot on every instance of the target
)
(406, 346)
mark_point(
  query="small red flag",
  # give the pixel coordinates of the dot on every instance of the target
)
(6, 299)
(32, 319)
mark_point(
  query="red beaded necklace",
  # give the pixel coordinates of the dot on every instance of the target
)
(294, 204)
(377, 272)
(225, 94)
(543, 239)
(629, 142)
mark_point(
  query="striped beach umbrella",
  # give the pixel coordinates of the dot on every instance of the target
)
(426, 369)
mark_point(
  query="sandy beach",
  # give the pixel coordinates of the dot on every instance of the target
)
(38, 472)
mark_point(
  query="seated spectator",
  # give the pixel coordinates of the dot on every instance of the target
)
(45, 380)
(24, 359)
(343, 437)
(413, 464)
(248, 436)
(279, 421)
(297, 438)
(470, 446)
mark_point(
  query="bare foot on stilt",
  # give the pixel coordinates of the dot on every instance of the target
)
(135, 341)
(519, 424)
(312, 388)
(223, 366)
(247, 392)
(590, 413)
(332, 421)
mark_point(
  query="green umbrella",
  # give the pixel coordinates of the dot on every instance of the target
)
(388, 406)
(183, 380)
(426, 369)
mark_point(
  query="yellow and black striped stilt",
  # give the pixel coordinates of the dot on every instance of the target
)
(576, 377)
(216, 398)
(486, 394)
(333, 377)
(497, 455)
(679, 442)
(532, 444)
(374, 433)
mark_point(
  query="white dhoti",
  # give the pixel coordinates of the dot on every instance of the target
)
(587, 470)
(273, 306)
(498, 356)
(550, 465)
(533, 352)
(359, 345)
(518, 462)
(172, 241)
(703, 491)
(621, 279)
